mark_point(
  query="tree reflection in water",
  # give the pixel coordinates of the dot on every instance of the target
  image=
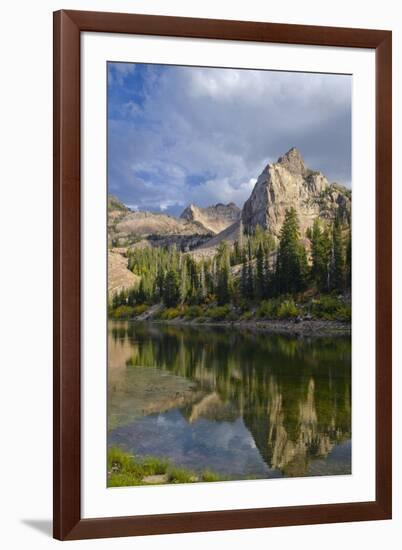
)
(292, 394)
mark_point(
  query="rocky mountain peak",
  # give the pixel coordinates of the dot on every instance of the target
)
(189, 212)
(289, 183)
(293, 162)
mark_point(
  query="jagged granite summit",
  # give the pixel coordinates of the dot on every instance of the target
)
(293, 162)
(289, 183)
(214, 218)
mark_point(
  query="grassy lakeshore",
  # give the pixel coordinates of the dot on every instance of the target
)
(125, 470)
(320, 315)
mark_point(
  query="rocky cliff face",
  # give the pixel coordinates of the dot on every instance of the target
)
(214, 218)
(149, 223)
(119, 276)
(289, 183)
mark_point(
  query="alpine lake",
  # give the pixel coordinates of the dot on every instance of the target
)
(246, 404)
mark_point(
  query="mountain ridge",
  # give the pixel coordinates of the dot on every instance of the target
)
(283, 184)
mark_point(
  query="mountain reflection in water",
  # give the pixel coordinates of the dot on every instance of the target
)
(238, 402)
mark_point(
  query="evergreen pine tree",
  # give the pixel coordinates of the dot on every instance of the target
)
(338, 266)
(268, 290)
(241, 234)
(115, 300)
(243, 280)
(132, 297)
(171, 291)
(348, 267)
(260, 274)
(223, 287)
(158, 287)
(247, 279)
(291, 268)
(141, 296)
(223, 290)
(203, 285)
(250, 272)
(321, 255)
(184, 280)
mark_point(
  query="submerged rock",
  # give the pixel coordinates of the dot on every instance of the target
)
(156, 479)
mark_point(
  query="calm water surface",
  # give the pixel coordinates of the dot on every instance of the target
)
(244, 404)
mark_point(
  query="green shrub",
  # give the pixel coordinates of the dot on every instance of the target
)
(218, 313)
(287, 310)
(344, 313)
(232, 316)
(268, 308)
(154, 466)
(246, 315)
(119, 459)
(170, 313)
(180, 475)
(193, 312)
(331, 308)
(123, 479)
(158, 314)
(210, 476)
(122, 312)
(140, 308)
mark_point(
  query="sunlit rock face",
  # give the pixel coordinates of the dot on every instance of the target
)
(288, 183)
(118, 275)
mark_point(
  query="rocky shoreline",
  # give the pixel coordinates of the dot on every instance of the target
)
(311, 327)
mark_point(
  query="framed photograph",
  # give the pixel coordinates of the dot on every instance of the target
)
(222, 272)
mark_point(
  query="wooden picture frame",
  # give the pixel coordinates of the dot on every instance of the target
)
(68, 26)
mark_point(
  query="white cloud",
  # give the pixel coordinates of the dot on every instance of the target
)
(118, 71)
(165, 205)
(221, 127)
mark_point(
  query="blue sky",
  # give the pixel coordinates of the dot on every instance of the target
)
(180, 135)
